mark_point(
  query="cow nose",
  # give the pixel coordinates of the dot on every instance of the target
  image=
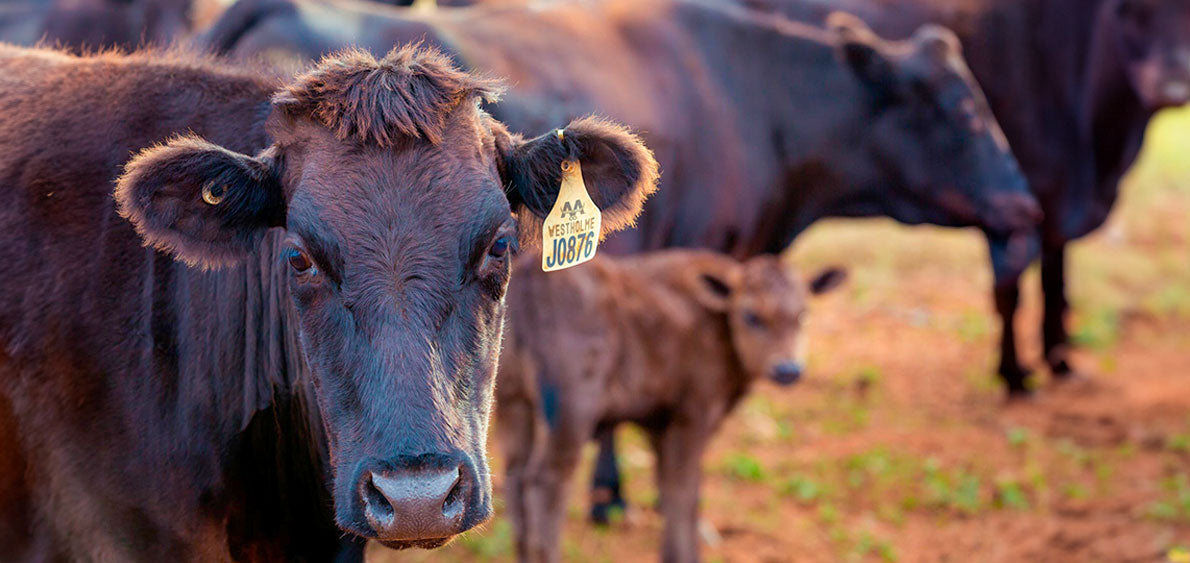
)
(787, 373)
(408, 505)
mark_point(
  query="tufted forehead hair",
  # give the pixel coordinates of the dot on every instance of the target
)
(406, 94)
(768, 275)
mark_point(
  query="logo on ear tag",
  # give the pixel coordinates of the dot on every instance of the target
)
(570, 234)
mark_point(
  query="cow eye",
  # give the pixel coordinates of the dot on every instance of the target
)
(500, 247)
(299, 260)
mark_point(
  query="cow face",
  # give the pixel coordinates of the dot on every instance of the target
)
(402, 204)
(765, 304)
(933, 147)
(1154, 43)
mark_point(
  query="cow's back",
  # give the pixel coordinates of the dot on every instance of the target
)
(631, 62)
(624, 60)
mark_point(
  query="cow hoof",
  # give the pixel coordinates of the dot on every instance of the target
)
(1018, 381)
(602, 513)
(1070, 376)
(1076, 382)
(1061, 372)
(1020, 396)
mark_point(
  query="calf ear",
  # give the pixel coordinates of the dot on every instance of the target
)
(713, 289)
(619, 172)
(859, 49)
(204, 204)
(827, 280)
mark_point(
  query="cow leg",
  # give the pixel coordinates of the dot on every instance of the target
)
(1007, 299)
(679, 450)
(1053, 284)
(606, 494)
(544, 490)
(520, 439)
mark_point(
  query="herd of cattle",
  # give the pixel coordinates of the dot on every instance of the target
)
(262, 305)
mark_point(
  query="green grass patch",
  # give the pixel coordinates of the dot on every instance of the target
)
(1018, 437)
(1010, 494)
(492, 542)
(1175, 506)
(868, 544)
(802, 489)
(1179, 443)
(1097, 329)
(743, 467)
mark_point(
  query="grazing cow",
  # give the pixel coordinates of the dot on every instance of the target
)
(670, 341)
(316, 366)
(762, 126)
(88, 25)
(1074, 83)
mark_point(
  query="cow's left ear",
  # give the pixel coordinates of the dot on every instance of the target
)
(618, 170)
(860, 49)
(712, 286)
(200, 202)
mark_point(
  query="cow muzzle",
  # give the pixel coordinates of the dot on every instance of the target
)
(1012, 212)
(421, 501)
(787, 373)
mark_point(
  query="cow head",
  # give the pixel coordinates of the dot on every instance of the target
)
(932, 146)
(765, 305)
(402, 203)
(1154, 45)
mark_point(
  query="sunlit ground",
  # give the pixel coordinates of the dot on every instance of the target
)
(899, 446)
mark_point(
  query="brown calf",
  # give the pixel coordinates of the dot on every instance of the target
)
(670, 341)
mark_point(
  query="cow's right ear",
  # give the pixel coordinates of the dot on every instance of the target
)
(200, 202)
(617, 168)
(859, 49)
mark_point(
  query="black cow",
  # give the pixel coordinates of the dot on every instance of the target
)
(318, 367)
(1074, 83)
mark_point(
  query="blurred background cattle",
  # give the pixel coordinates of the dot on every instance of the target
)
(1025, 125)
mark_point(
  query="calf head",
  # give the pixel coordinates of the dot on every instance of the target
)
(931, 143)
(401, 204)
(765, 306)
(1153, 42)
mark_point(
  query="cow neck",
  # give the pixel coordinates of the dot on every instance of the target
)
(277, 467)
(272, 351)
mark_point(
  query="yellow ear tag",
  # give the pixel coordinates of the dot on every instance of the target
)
(570, 234)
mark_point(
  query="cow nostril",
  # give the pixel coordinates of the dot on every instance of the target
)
(377, 509)
(453, 505)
